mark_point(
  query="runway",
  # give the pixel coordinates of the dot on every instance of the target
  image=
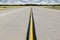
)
(14, 23)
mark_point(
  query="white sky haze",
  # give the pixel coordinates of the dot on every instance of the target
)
(29, 1)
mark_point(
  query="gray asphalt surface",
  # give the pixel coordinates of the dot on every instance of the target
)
(14, 23)
(47, 22)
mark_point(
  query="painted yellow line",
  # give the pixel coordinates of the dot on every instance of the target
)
(31, 28)
(31, 34)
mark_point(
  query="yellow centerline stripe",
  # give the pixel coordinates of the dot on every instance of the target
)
(31, 28)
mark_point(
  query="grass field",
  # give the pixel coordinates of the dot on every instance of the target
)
(51, 7)
(8, 7)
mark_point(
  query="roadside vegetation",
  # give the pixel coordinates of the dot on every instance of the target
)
(53, 7)
(4, 7)
(8, 7)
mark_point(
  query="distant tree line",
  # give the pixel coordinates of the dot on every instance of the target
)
(33, 5)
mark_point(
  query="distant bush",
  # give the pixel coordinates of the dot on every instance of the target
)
(4, 7)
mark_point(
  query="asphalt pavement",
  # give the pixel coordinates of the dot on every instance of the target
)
(47, 23)
(14, 23)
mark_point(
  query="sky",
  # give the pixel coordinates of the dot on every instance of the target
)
(29, 1)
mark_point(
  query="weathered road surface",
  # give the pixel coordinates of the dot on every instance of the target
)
(47, 22)
(14, 23)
